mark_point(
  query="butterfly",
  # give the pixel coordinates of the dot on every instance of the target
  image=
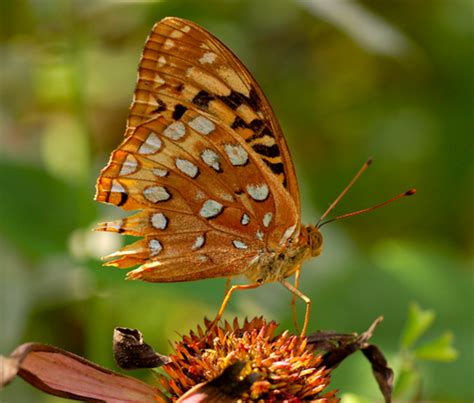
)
(205, 163)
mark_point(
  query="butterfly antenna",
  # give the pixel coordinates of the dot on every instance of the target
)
(343, 193)
(400, 196)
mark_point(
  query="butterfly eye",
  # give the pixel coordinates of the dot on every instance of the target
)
(315, 240)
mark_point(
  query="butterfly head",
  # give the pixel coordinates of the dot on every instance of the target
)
(315, 240)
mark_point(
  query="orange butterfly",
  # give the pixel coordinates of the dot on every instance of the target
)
(206, 163)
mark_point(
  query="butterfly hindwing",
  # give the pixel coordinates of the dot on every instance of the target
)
(190, 185)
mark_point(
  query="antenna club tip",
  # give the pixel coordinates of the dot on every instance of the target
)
(410, 192)
(369, 160)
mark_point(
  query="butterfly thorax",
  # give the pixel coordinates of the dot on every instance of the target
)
(274, 265)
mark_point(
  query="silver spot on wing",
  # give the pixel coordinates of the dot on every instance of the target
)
(151, 145)
(159, 221)
(199, 242)
(210, 209)
(239, 244)
(155, 247)
(258, 192)
(156, 194)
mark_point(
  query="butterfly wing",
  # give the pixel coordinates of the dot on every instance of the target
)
(196, 166)
(183, 62)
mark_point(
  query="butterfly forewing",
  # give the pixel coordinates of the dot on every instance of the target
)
(183, 64)
(199, 161)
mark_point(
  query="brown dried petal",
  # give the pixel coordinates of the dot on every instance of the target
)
(61, 373)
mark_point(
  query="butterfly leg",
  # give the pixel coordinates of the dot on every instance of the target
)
(306, 299)
(227, 298)
(293, 298)
(227, 286)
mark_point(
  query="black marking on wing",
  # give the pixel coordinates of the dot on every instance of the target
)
(161, 106)
(253, 100)
(256, 125)
(233, 100)
(260, 130)
(264, 132)
(123, 199)
(179, 111)
(268, 151)
(202, 99)
(239, 122)
(276, 168)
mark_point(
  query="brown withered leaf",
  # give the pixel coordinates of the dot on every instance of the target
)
(131, 352)
(338, 346)
(382, 372)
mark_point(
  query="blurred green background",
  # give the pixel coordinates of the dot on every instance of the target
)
(347, 80)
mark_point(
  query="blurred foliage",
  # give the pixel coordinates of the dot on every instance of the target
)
(409, 380)
(347, 80)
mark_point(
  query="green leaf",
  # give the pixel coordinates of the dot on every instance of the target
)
(407, 383)
(440, 349)
(417, 323)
